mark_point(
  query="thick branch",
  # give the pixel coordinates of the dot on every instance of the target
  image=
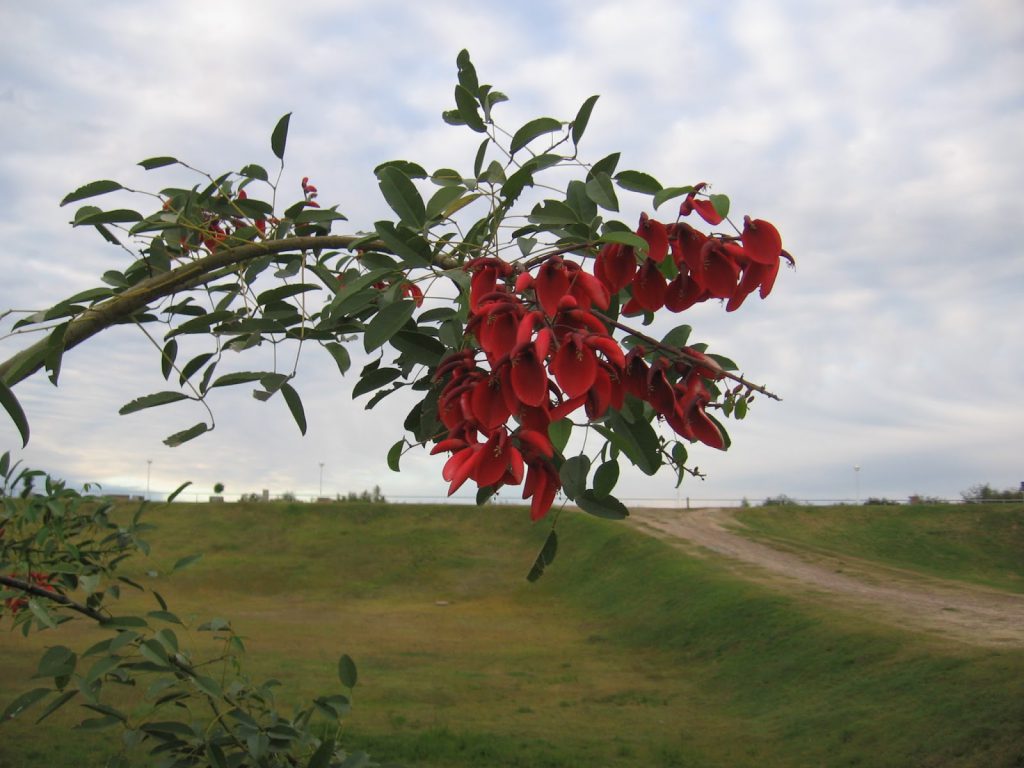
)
(119, 308)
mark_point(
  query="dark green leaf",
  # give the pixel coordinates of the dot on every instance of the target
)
(395, 456)
(574, 475)
(347, 671)
(601, 191)
(167, 358)
(403, 197)
(410, 169)
(579, 125)
(677, 337)
(91, 190)
(291, 397)
(467, 109)
(57, 662)
(375, 379)
(418, 347)
(185, 562)
(119, 216)
(157, 162)
(558, 432)
(186, 434)
(56, 704)
(340, 355)
(279, 137)
(545, 557)
(438, 204)
(532, 130)
(606, 477)
(14, 410)
(240, 377)
(467, 73)
(483, 495)
(478, 162)
(323, 755)
(22, 703)
(637, 440)
(149, 401)
(635, 181)
(624, 238)
(667, 193)
(254, 171)
(389, 321)
(605, 165)
(178, 490)
(410, 246)
(602, 506)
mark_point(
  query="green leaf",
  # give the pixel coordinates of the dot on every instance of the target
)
(157, 162)
(254, 171)
(410, 246)
(605, 165)
(606, 477)
(467, 73)
(478, 162)
(636, 181)
(467, 109)
(606, 506)
(375, 379)
(149, 401)
(410, 169)
(667, 193)
(389, 321)
(239, 377)
(677, 337)
(574, 475)
(185, 562)
(323, 755)
(395, 456)
(601, 191)
(92, 189)
(403, 197)
(56, 704)
(545, 557)
(579, 124)
(558, 433)
(118, 216)
(279, 137)
(14, 410)
(721, 204)
(418, 347)
(347, 671)
(58, 661)
(441, 200)
(22, 703)
(40, 612)
(624, 238)
(291, 397)
(340, 355)
(532, 130)
(186, 434)
(178, 490)
(637, 440)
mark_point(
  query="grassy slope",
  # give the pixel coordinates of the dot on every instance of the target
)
(625, 653)
(982, 544)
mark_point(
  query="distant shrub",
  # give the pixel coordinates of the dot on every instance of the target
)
(918, 499)
(782, 500)
(986, 492)
(367, 497)
(884, 502)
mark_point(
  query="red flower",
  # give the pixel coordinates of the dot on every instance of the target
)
(551, 284)
(649, 286)
(656, 235)
(615, 266)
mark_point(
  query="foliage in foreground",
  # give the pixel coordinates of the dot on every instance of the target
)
(61, 559)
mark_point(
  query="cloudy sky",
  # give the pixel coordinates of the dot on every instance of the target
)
(882, 138)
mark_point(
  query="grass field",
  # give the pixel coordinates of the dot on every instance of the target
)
(976, 543)
(627, 652)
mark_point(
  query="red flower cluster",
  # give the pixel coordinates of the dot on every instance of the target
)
(707, 266)
(16, 604)
(547, 352)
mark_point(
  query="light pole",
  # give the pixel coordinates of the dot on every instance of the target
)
(856, 479)
(149, 470)
(321, 479)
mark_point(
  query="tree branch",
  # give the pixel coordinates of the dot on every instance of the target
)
(119, 308)
(57, 597)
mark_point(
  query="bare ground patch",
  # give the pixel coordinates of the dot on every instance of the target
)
(966, 613)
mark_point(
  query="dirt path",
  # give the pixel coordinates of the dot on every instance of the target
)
(975, 615)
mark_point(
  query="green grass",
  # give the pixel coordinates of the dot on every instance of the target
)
(627, 652)
(976, 543)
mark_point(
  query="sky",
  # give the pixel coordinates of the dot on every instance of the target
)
(883, 139)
